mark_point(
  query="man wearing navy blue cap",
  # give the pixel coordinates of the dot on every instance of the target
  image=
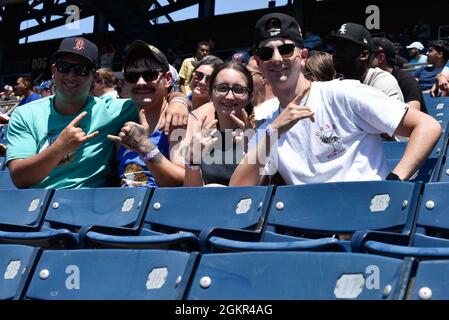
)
(60, 141)
(327, 131)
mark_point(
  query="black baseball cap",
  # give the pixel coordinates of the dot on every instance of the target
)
(78, 46)
(140, 48)
(387, 48)
(277, 25)
(353, 32)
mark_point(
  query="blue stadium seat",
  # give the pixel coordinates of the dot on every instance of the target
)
(431, 281)
(3, 131)
(431, 168)
(16, 263)
(430, 239)
(299, 275)
(177, 217)
(111, 275)
(6, 181)
(2, 163)
(24, 209)
(71, 210)
(324, 216)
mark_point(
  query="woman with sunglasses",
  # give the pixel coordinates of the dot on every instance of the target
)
(199, 82)
(216, 144)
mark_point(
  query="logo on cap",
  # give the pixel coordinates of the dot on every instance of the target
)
(342, 29)
(79, 45)
(274, 32)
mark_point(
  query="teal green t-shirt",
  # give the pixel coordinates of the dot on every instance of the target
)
(35, 126)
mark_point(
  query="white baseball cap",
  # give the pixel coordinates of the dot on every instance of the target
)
(8, 87)
(415, 45)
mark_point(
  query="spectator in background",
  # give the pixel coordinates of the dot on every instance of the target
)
(7, 94)
(414, 51)
(437, 56)
(319, 67)
(351, 55)
(312, 41)
(104, 84)
(107, 53)
(241, 56)
(398, 49)
(199, 84)
(185, 73)
(24, 89)
(441, 86)
(384, 56)
(44, 89)
(265, 102)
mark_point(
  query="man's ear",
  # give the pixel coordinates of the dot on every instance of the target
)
(364, 55)
(304, 53)
(53, 70)
(168, 77)
(381, 58)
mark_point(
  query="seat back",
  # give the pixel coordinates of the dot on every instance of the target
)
(197, 209)
(344, 207)
(6, 181)
(16, 263)
(111, 275)
(432, 217)
(108, 207)
(298, 275)
(431, 281)
(24, 209)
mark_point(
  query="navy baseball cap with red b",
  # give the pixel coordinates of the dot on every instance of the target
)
(277, 25)
(78, 46)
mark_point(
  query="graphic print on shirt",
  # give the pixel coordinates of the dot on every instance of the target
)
(328, 136)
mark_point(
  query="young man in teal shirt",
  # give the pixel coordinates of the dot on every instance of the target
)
(60, 141)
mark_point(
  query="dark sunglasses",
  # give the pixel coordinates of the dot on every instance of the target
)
(147, 75)
(199, 76)
(223, 89)
(81, 70)
(285, 50)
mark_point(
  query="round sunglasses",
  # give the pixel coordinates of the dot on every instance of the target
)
(285, 50)
(199, 76)
(80, 69)
(147, 75)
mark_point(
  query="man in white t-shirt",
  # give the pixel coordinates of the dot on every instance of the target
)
(328, 131)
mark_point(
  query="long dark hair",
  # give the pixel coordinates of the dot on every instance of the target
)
(238, 66)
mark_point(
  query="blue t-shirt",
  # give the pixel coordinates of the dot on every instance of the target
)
(31, 97)
(426, 76)
(132, 170)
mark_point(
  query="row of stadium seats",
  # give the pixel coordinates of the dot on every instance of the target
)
(31, 273)
(319, 217)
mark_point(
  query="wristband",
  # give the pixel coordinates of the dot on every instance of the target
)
(192, 166)
(150, 155)
(393, 176)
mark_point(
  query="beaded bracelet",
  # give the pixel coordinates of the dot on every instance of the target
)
(150, 155)
(180, 100)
